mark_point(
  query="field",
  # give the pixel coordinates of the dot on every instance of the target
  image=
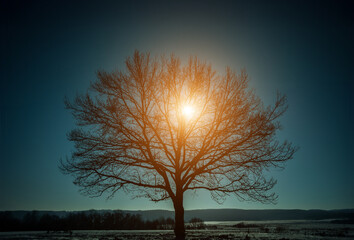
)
(214, 230)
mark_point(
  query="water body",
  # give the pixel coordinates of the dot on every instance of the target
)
(265, 230)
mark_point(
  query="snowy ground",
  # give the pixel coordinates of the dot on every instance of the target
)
(257, 230)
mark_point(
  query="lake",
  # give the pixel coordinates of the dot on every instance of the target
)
(265, 230)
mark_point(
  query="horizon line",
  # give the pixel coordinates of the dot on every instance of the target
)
(197, 209)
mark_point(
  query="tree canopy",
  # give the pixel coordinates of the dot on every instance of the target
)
(161, 127)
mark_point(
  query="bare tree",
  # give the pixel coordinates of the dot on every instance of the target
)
(160, 128)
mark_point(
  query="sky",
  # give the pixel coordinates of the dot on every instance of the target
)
(53, 49)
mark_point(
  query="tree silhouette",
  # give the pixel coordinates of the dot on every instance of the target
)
(159, 128)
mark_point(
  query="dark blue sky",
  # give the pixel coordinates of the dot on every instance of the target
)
(52, 49)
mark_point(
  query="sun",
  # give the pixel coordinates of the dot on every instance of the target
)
(187, 111)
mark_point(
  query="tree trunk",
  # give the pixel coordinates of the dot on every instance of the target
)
(179, 217)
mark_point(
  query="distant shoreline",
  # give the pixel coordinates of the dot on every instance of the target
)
(215, 214)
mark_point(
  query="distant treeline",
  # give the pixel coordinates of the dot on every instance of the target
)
(116, 220)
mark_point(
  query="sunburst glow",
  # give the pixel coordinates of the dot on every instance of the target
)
(188, 111)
